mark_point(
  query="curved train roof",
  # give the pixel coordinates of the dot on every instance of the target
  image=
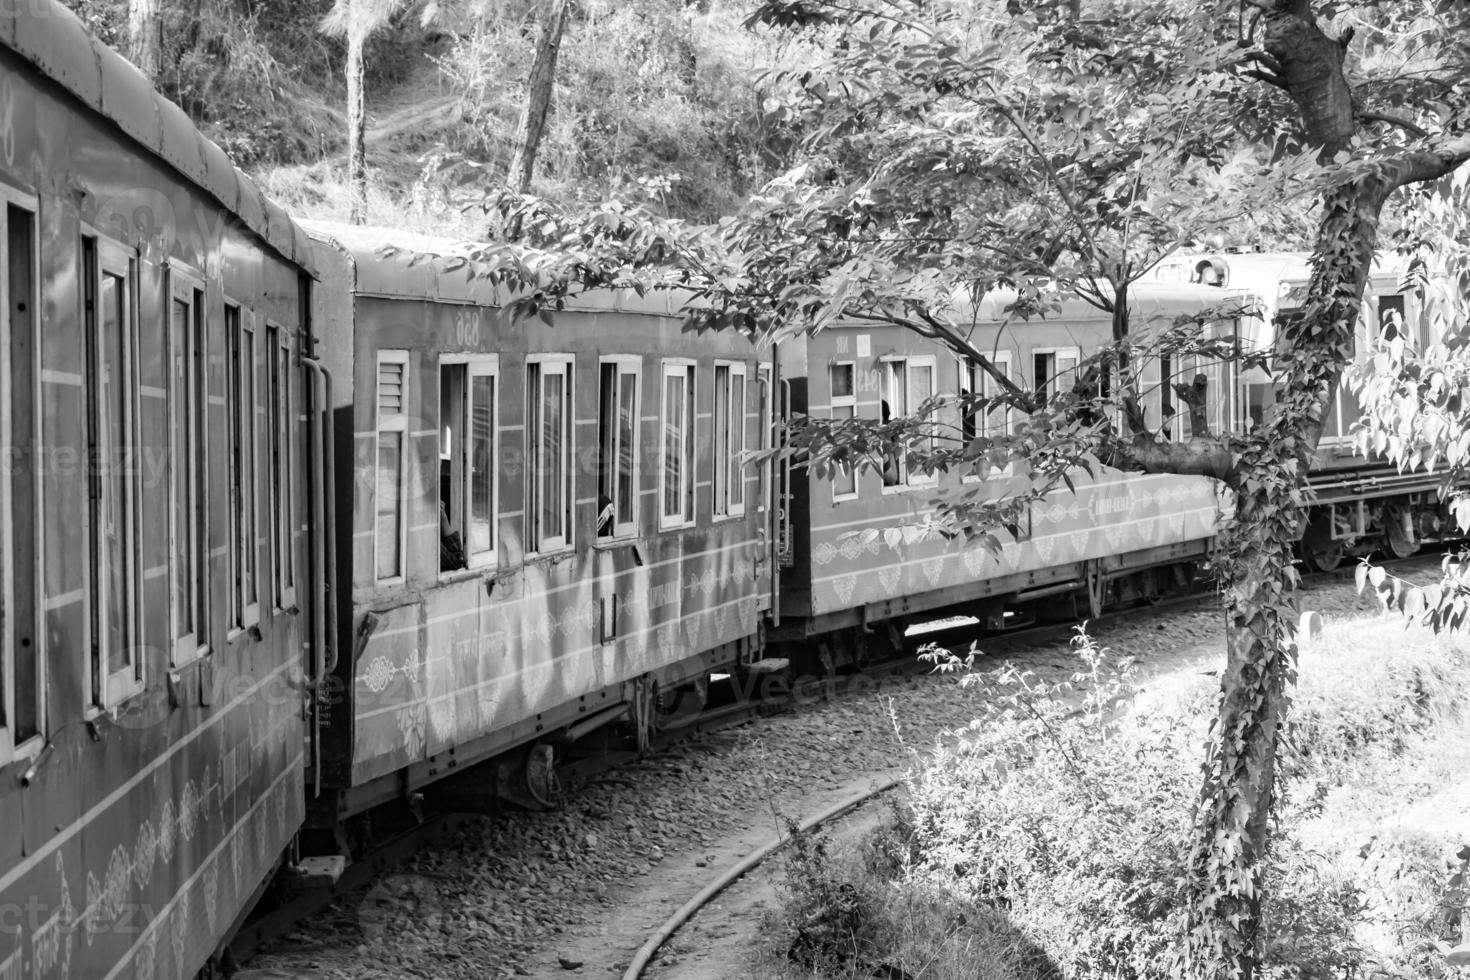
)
(1265, 272)
(1147, 299)
(54, 40)
(408, 274)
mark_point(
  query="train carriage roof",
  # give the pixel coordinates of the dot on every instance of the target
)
(1148, 301)
(54, 40)
(418, 267)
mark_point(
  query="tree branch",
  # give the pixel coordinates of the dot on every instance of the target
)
(1391, 119)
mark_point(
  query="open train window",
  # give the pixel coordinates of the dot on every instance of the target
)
(990, 422)
(111, 318)
(390, 528)
(728, 484)
(549, 452)
(842, 376)
(1054, 370)
(241, 401)
(676, 454)
(282, 458)
(188, 407)
(21, 685)
(468, 493)
(617, 446)
(905, 384)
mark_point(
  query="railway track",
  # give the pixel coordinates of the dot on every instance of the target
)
(384, 855)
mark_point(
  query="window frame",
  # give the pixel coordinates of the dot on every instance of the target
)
(280, 389)
(1057, 353)
(563, 365)
(972, 377)
(110, 689)
(686, 368)
(397, 422)
(476, 366)
(907, 480)
(727, 471)
(764, 409)
(188, 286)
(243, 388)
(624, 366)
(835, 402)
(12, 747)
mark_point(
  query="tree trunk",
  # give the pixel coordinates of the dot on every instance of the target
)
(538, 97)
(356, 127)
(145, 36)
(1270, 480)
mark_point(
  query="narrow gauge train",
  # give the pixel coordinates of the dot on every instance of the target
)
(217, 664)
(159, 610)
(1362, 504)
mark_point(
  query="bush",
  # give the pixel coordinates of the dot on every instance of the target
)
(1064, 814)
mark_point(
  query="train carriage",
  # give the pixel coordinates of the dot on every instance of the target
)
(1362, 503)
(547, 526)
(1118, 536)
(157, 594)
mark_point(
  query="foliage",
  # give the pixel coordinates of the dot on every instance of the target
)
(655, 102)
(1065, 808)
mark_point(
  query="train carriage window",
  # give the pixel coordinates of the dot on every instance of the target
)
(21, 688)
(1054, 371)
(282, 470)
(617, 435)
(991, 422)
(843, 380)
(189, 508)
(241, 400)
(905, 384)
(112, 424)
(549, 424)
(468, 503)
(728, 484)
(677, 449)
(389, 522)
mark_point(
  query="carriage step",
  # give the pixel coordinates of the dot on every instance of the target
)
(770, 665)
(316, 872)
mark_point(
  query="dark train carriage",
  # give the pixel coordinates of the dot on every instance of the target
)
(548, 525)
(1117, 536)
(1362, 503)
(157, 590)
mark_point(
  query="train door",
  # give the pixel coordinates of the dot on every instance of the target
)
(321, 647)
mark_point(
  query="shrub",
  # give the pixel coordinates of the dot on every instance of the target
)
(1066, 808)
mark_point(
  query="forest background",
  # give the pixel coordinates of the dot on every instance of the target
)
(655, 102)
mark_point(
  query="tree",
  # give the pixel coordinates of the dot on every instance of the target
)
(357, 21)
(953, 147)
(538, 95)
(145, 36)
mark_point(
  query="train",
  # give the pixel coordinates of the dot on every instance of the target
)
(301, 536)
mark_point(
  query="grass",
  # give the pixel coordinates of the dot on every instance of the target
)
(1054, 849)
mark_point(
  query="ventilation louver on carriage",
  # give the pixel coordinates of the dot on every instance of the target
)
(390, 388)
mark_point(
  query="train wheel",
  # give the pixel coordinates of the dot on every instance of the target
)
(1398, 539)
(1319, 548)
(1324, 558)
